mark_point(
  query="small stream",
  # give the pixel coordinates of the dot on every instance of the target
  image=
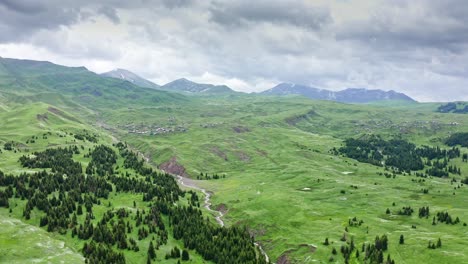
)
(207, 204)
(189, 183)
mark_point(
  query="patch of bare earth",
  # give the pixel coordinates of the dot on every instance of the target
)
(293, 120)
(60, 113)
(241, 129)
(222, 208)
(42, 118)
(54, 110)
(283, 259)
(173, 167)
(219, 153)
(260, 231)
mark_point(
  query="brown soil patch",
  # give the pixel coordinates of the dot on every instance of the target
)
(261, 231)
(283, 259)
(293, 120)
(54, 110)
(219, 153)
(43, 117)
(173, 167)
(222, 208)
(60, 113)
(241, 129)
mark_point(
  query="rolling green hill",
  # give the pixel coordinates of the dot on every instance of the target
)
(38, 81)
(283, 182)
(29, 137)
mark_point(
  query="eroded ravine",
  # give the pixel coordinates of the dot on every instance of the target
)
(207, 203)
(189, 183)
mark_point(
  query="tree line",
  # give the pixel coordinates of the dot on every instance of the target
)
(401, 156)
(67, 195)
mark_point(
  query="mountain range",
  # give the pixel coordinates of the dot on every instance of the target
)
(181, 85)
(86, 85)
(349, 95)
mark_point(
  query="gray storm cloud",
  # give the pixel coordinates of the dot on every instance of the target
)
(418, 47)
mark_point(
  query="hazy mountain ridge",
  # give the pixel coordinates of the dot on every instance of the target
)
(181, 85)
(30, 75)
(349, 95)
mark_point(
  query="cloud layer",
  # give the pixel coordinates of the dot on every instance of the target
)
(418, 47)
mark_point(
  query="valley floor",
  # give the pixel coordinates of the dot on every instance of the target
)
(267, 164)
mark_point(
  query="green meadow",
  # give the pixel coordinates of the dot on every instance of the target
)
(278, 176)
(282, 181)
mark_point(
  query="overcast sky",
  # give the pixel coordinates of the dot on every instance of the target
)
(419, 47)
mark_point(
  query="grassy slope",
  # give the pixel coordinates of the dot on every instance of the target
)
(19, 125)
(268, 167)
(284, 149)
(72, 88)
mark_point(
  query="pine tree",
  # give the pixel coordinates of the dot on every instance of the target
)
(380, 257)
(185, 255)
(151, 252)
(402, 240)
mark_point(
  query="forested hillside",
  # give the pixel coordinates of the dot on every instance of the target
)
(111, 206)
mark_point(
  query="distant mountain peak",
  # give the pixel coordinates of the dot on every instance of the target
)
(187, 86)
(348, 95)
(129, 76)
(182, 81)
